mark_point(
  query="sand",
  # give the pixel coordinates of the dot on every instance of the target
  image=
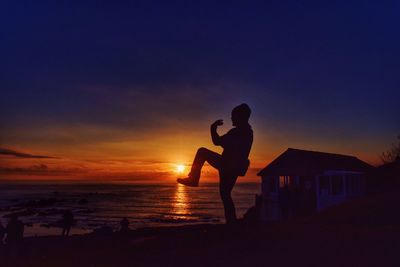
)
(364, 232)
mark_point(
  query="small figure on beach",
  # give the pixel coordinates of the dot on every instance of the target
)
(14, 236)
(124, 225)
(232, 163)
(2, 233)
(67, 222)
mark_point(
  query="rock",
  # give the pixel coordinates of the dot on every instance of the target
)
(43, 202)
(27, 212)
(104, 230)
(82, 201)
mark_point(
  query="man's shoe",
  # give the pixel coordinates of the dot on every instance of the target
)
(188, 182)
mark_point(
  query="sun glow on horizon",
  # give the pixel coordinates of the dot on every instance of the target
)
(180, 168)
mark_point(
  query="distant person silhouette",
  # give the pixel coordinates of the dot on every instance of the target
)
(67, 222)
(124, 225)
(2, 233)
(234, 159)
(14, 236)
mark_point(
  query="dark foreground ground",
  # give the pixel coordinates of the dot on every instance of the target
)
(365, 232)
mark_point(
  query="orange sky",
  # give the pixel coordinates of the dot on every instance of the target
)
(130, 96)
(82, 152)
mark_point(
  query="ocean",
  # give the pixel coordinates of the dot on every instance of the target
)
(41, 205)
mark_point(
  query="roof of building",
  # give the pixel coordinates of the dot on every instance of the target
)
(303, 163)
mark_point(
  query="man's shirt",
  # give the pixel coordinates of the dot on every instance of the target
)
(236, 144)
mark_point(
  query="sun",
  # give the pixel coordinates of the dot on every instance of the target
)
(180, 168)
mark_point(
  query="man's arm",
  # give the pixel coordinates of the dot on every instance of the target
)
(214, 135)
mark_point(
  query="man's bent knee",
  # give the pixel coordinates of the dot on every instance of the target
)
(202, 150)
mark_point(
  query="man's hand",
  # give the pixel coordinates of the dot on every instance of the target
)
(217, 123)
(214, 135)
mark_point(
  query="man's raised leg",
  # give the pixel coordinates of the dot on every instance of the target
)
(203, 155)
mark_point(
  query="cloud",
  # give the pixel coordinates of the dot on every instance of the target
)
(41, 169)
(9, 152)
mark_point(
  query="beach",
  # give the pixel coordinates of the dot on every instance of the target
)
(352, 234)
(41, 205)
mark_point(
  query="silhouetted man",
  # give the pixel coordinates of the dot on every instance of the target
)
(2, 233)
(234, 159)
(68, 221)
(15, 234)
(124, 225)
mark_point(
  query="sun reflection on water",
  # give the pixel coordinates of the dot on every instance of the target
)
(181, 205)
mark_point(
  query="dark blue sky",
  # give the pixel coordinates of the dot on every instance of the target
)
(322, 75)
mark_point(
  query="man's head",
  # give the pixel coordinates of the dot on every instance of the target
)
(241, 115)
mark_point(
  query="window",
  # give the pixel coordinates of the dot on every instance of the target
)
(337, 185)
(271, 184)
(353, 184)
(283, 181)
(324, 185)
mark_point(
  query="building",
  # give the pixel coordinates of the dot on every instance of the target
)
(300, 182)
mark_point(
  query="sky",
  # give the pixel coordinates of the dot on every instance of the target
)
(126, 90)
